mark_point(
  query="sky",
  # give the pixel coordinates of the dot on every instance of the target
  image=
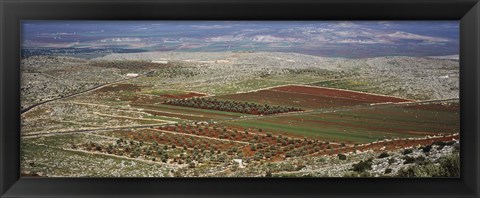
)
(353, 39)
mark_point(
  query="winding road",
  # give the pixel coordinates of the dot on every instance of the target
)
(22, 111)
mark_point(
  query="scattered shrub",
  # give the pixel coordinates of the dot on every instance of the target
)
(383, 155)
(391, 161)
(407, 151)
(419, 160)
(362, 166)
(427, 149)
(268, 174)
(253, 148)
(450, 164)
(408, 160)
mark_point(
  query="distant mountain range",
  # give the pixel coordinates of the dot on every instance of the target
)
(357, 39)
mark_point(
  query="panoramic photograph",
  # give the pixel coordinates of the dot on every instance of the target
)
(231, 99)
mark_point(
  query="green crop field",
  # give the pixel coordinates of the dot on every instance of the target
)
(361, 126)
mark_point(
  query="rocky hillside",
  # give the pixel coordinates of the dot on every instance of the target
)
(47, 77)
(408, 77)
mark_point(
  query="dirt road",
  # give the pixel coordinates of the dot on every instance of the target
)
(75, 94)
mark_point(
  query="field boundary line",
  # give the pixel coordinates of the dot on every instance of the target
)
(89, 130)
(78, 123)
(320, 87)
(339, 109)
(320, 81)
(129, 108)
(199, 136)
(353, 91)
(334, 97)
(131, 118)
(366, 145)
(169, 112)
(123, 157)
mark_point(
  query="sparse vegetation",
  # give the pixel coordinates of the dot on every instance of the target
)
(223, 116)
(362, 166)
(448, 166)
(407, 151)
(383, 155)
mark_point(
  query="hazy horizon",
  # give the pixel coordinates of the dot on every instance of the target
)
(351, 39)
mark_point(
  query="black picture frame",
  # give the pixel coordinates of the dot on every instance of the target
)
(13, 11)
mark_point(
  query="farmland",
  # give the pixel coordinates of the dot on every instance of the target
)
(232, 106)
(310, 97)
(363, 125)
(225, 115)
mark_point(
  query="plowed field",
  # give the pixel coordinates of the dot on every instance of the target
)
(310, 97)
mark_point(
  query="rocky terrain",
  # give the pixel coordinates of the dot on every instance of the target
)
(86, 113)
(409, 77)
(388, 163)
(407, 162)
(50, 77)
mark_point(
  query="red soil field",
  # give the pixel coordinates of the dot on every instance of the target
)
(263, 138)
(182, 96)
(292, 99)
(310, 97)
(334, 93)
(449, 107)
(311, 147)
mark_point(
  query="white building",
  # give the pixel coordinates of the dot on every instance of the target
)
(239, 162)
(132, 75)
